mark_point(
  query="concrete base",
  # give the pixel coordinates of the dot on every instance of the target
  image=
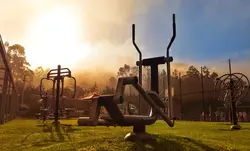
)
(235, 127)
(143, 136)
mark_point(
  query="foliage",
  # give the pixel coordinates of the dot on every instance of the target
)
(126, 71)
(187, 87)
(18, 62)
(94, 88)
(108, 90)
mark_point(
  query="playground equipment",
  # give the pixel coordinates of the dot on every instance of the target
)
(139, 122)
(231, 89)
(56, 76)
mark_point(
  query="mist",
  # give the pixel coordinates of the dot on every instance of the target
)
(104, 25)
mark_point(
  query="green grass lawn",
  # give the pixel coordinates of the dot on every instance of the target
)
(26, 135)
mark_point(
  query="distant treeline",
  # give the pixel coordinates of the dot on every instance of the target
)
(189, 84)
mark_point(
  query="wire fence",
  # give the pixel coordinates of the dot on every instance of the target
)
(194, 95)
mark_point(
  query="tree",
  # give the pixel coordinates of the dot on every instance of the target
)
(112, 82)
(192, 71)
(39, 71)
(18, 62)
(108, 90)
(124, 71)
(80, 91)
(206, 72)
(94, 88)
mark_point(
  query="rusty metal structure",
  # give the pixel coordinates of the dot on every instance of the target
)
(235, 87)
(8, 93)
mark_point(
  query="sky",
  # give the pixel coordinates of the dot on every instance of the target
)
(86, 34)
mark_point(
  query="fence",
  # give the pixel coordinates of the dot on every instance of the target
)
(194, 89)
(8, 92)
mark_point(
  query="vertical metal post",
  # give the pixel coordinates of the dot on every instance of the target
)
(57, 93)
(154, 79)
(169, 70)
(180, 84)
(7, 105)
(3, 103)
(164, 90)
(233, 103)
(202, 93)
(149, 79)
(140, 65)
(169, 89)
(12, 102)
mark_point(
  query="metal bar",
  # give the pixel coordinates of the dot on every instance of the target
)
(57, 94)
(74, 87)
(3, 102)
(164, 90)
(3, 54)
(12, 103)
(149, 100)
(233, 103)
(169, 70)
(140, 66)
(8, 100)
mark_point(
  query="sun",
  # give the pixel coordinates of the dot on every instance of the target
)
(54, 39)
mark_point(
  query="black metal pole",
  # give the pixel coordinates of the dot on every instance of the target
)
(57, 93)
(164, 89)
(169, 70)
(140, 66)
(234, 119)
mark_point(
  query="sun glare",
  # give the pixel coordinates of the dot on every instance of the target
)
(53, 39)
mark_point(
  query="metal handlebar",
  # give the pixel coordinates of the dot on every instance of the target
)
(168, 68)
(140, 60)
(74, 86)
(62, 88)
(53, 73)
(139, 52)
(41, 84)
(173, 37)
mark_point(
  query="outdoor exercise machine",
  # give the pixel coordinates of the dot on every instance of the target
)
(139, 122)
(231, 89)
(56, 76)
(154, 62)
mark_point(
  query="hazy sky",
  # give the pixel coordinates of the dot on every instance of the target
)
(89, 33)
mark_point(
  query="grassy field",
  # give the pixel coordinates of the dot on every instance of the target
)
(26, 135)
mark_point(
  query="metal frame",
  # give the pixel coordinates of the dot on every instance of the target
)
(57, 77)
(9, 95)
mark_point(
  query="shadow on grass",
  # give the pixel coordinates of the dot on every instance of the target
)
(58, 133)
(170, 143)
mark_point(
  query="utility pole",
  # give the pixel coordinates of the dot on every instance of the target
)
(202, 93)
(180, 92)
(180, 84)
